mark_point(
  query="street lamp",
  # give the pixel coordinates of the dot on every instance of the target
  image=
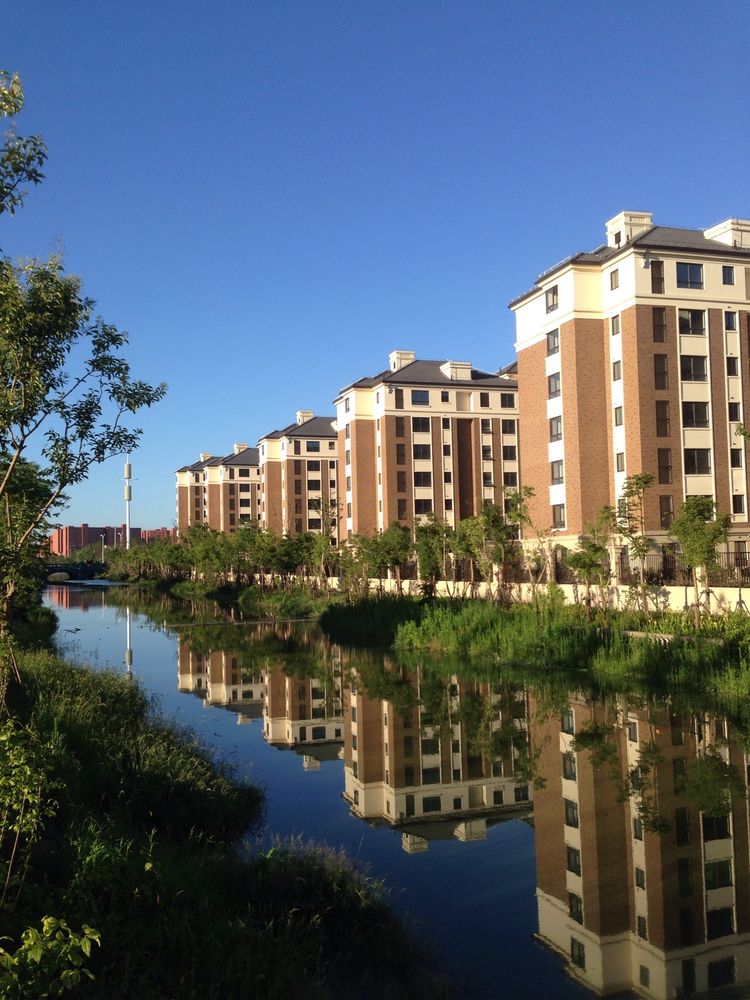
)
(102, 538)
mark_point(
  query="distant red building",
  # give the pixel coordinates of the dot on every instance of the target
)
(71, 538)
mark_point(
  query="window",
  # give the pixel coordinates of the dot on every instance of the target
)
(615, 325)
(432, 803)
(313, 446)
(575, 907)
(313, 523)
(730, 320)
(510, 453)
(423, 479)
(401, 482)
(400, 427)
(553, 342)
(486, 425)
(420, 425)
(298, 487)
(430, 775)
(657, 277)
(421, 451)
(718, 874)
(569, 766)
(447, 477)
(313, 485)
(446, 423)
(449, 504)
(720, 973)
(659, 323)
(399, 399)
(693, 367)
(332, 446)
(486, 452)
(486, 479)
(550, 299)
(446, 450)
(507, 400)
(556, 472)
(637, 828)
(420, 397)
(618, 416)
(558, 515)
(423, 506)
(661, 374)
(664, 464)
(662, 418)
(738, 503)
(573, 860)
(571, 812)
(689, 275)
(555, 429)
(727, 274)
(521, 793)
(640, 878)
(719, 922)
(614, 279)
(346, 405)
(732, 366)
(508, 426)
(553, 385)
(400, 454)
(445, 396)
(691, 322)
(735, 455)
(682, 826)
(695, 414)
(620, 461)
(567, 722)
(632, 729)
(348, 431)
(616, 371)
(640, 926)
(684, 877)
(644, 975)
(510, 479)
(348, 510)
(401, 510)
(484, 399)
(734, 411)
(666, 511)
(697, 461)
(577, 953)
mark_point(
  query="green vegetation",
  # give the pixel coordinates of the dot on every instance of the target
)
(114, 820)
(370, 621)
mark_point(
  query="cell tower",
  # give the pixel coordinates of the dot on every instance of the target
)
(128, 497)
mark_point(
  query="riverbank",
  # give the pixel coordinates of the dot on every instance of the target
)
(117, 821)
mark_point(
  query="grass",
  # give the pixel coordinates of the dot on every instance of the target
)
(370, 621)
(141, 836)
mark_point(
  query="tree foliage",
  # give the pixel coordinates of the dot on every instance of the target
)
(21, 158)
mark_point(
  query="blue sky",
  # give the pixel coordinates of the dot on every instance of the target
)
(271, 196)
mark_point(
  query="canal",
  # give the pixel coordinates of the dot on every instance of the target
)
(518, 861)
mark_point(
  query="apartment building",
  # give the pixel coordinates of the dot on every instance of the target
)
(219, 492)
(633, 358)
(299, 476)
(663, 912)
(425, 437)
(218, 677)
(407, 766)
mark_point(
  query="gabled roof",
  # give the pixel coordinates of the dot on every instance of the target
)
(315, 427)
(248, 456)
(429, 373)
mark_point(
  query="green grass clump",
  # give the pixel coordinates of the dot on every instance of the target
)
(370, 621)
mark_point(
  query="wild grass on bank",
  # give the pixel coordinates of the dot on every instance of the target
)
(136, 836)
(370, 621)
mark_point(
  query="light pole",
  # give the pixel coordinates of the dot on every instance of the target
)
(102, 538)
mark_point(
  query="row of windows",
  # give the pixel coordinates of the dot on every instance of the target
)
(693, 415)
(421, 425)
(693, 368)
(688, 275)
(421, 397)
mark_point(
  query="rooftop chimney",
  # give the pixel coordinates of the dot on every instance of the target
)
(397, 359)
(626, 226)
(460, 370)
(205, 455)
(733, 232)
(304, 415)
(239, 447)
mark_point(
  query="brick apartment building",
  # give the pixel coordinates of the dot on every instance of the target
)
(219, 492)
(299, 476)
(634, 358)
(425, 437)
(664, 914)
(69, 539)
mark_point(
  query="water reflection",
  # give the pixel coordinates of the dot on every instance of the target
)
(642, 874)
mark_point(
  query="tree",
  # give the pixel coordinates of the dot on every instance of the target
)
(65, 395)
(631, 524)
(397, 547)
(699, 530)
(21, 159)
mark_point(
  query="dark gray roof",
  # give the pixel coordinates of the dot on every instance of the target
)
(248, 456)
(656, 238)
(428, 373)
(316, 427)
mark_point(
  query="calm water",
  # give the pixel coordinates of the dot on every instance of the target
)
(424, 779)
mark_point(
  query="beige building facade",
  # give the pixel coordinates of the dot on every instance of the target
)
(633, 358)
(425, 437)
(219, 492)
(299, 477)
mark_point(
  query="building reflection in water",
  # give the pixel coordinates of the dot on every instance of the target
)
(439, 757)
(636, 887)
